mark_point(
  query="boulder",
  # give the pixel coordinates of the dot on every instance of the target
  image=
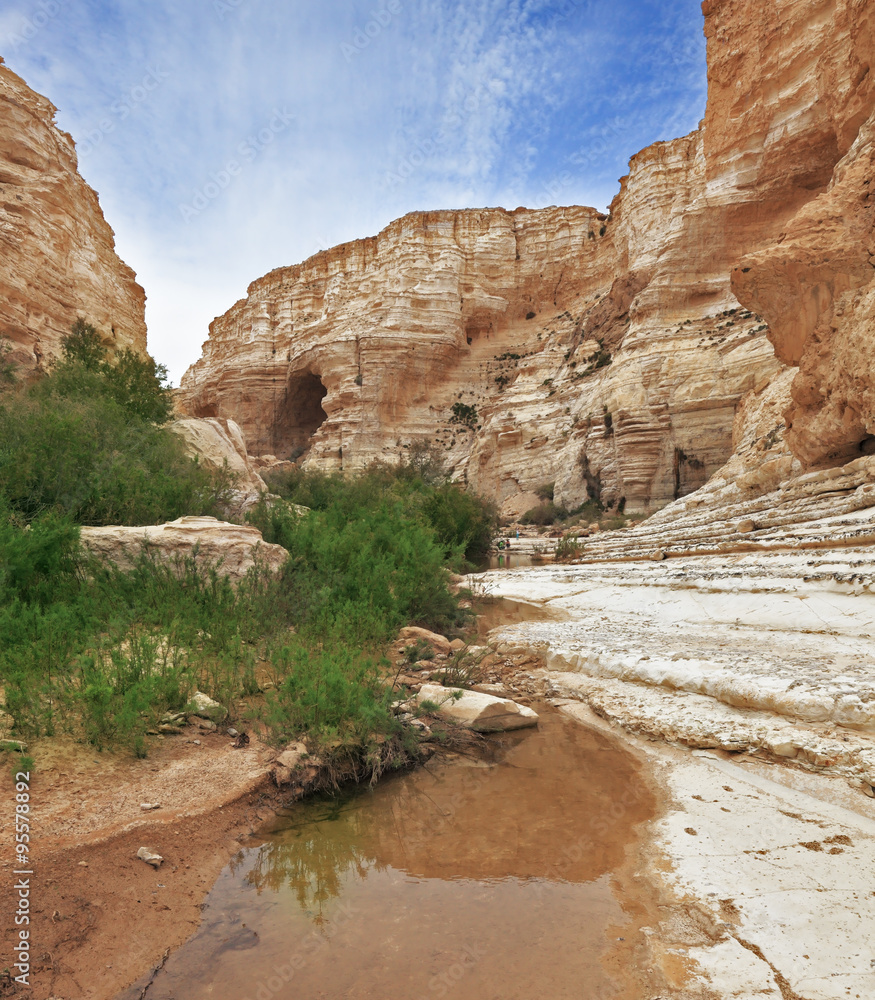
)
(292, 755)
(144, 854)
(231, 548)
(484, 713)
(295, 766)
(439, 643)
(218, 444)
(203, 706)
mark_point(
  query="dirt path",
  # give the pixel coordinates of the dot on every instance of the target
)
(100, 916)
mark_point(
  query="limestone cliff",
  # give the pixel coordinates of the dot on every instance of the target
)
(815, 283)
(606, 353)
(57, 252)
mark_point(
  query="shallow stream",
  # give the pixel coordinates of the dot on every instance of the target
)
(486, 878)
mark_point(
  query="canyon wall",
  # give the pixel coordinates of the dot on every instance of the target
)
(609, 354)
(57, 252)
(815, 283)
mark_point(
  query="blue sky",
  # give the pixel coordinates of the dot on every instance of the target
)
(228, 137)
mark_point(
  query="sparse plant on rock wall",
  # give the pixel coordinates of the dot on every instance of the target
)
(464, 415)
(7, 369)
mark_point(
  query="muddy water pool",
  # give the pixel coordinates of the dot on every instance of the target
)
(468, 878)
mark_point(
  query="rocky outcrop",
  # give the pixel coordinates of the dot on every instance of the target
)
(609, 354)
(219, 445)
(815, 284)
(57, 252)
(817, 287)
(231, 549)
(504, 338)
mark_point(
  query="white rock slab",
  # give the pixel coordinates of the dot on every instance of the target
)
(483, 713)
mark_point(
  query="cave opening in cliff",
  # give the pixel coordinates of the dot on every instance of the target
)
(475, 330)
(298, 416)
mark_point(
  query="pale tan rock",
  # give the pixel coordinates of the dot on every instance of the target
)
(57, 252)
(484, 713)
(365, 348)
(439, 643)
(144, 854)
(516, 505)
(204, 707)
(816, 288)
(295, 766)
(292, 755)
(219, 444)
(231, 548)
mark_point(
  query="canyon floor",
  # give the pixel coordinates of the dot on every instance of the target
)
(745, 677)
(738, 680)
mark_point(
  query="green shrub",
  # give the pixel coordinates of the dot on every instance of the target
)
(546, 513)
(137, 384)
(567, 548)
(368, 568)
(420, 650)
(7, 369)
(328, 695)
(465, 415)
(34, 562)
(110, 651)
(463, 522)
(83, 442)
(89, 459)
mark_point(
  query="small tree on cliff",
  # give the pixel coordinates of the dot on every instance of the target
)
(137, 384)
(7, 369)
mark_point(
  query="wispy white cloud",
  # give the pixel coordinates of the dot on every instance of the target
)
(227, 137)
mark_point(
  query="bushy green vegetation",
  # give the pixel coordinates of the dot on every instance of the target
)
(416, 491)
(550, 513)
(102, 654)
(85, 441)
(464, 414)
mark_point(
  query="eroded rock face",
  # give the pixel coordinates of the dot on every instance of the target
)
(231, 548)
(814, 284)
(219, 444)
(607, 354)
(817, 286)
(57, 252)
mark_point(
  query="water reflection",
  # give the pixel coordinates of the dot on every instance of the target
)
(511, 560)
(499, 870)
(314, 856)
(544, 808)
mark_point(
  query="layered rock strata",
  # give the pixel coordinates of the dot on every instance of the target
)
(57, 252)
(506, 339)
(606, 353)
(764, 651)
(815, 283)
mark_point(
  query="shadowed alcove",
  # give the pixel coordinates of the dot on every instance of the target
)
(298, 415)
